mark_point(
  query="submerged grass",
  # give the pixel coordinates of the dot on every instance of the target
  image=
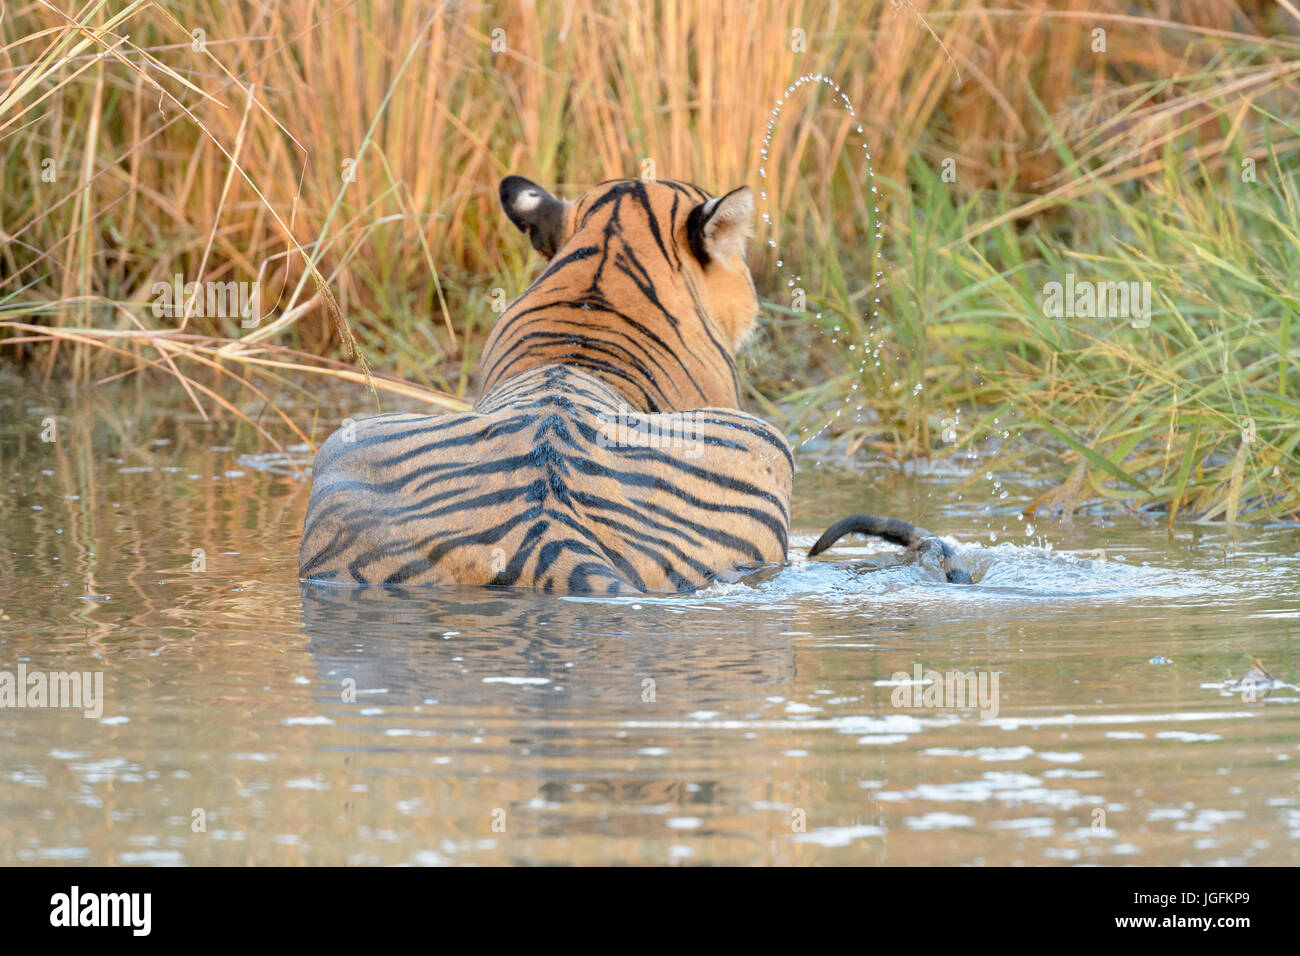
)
(344, 156)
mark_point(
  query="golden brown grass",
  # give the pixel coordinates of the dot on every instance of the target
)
(210, 139)
(225, 158)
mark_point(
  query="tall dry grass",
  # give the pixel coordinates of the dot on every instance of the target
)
(142, 140)
(221, 154)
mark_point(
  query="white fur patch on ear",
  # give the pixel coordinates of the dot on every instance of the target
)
(729, 222)
(527, 201)
(534, 211)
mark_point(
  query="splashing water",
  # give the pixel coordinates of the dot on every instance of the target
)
(874, 338)
(871, 346)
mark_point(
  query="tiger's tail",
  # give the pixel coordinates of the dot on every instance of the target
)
(897, 532)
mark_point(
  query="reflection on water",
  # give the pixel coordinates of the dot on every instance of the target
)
(781, 719)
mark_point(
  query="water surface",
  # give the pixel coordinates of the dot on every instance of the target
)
(251, 719)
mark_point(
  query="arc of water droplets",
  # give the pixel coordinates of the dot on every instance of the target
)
(875, 210)
(842, 98)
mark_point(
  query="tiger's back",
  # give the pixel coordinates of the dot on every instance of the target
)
(607, 451)
(553, 484)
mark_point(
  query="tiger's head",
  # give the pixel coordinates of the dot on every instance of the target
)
(661, 262)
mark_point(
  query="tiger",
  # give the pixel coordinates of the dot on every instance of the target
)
(607, 450)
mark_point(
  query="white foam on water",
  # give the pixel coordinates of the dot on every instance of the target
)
(839, 836)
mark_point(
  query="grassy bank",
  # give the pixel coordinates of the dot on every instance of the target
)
(344, 156)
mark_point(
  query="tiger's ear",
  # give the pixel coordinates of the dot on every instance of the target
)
(534, 211)
(717, 229)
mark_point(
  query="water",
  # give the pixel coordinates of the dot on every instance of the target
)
(248, 719)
